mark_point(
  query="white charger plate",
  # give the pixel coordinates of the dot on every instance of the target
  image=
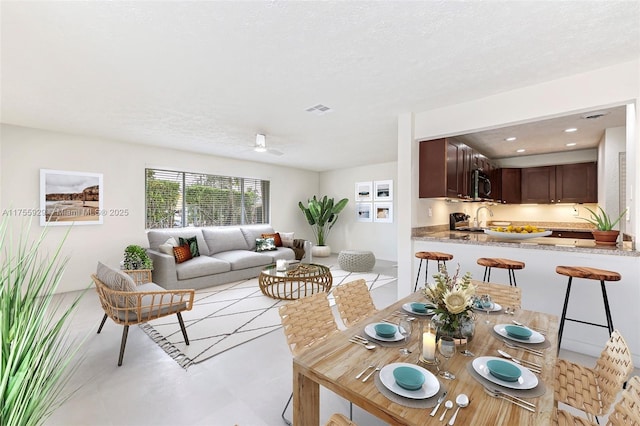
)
(407, 307)
(430, 387)
(496, 307)
(527, 380)
(370, 331)
(534, 338)
(516, 235)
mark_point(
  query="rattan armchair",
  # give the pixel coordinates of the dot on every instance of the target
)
(354, 302)
(594, 390)
(502, 294)
(139, 302)
(625, 412)
(306, 322)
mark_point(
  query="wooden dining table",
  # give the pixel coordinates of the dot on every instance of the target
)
(335, 362)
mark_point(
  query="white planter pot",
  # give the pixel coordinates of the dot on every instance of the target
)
(321, 251)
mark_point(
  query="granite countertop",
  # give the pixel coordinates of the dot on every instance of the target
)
(443, 234)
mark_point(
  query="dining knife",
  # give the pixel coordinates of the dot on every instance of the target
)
(435, 409)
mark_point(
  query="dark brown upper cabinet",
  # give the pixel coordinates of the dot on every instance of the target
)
(506, 187)
(565, 183)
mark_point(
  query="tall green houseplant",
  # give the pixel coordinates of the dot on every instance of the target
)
(37, 358)
(322, 214)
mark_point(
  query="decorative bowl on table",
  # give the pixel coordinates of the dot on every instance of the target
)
(419, 307)
(408, 378)
(504, 370)
(385, 330)
(518, 332)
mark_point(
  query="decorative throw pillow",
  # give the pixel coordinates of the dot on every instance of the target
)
(167, 246)
(119, 281)
(276, 238)
(193, 245)
(182, 253)
(286, 238)
(265, 244)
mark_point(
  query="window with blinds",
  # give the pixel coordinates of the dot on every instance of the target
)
(179, 199)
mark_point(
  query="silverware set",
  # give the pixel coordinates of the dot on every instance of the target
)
(371, 373)
(532, 328)
(524, 348)
(359, 340)
(497, 393)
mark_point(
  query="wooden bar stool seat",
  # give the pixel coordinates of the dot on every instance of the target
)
(497, 262)
(585, 272)
(430, 255)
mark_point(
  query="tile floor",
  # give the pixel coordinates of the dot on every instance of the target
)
(247, 385)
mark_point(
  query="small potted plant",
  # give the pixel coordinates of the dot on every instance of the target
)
(604, 234)
(137, 264)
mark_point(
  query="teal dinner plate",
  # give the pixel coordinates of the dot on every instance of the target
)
(518, 332)
(419, 307)
(385, 330)
(408, 377)
(504, 370)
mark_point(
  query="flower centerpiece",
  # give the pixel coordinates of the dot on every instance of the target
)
(452, 298)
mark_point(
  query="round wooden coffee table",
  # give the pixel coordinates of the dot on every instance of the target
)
(299, 280)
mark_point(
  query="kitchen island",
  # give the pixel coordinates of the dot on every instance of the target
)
(542, 288)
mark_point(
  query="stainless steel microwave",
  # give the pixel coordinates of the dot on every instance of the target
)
(480, 185)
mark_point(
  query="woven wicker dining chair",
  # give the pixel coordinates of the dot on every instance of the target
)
(594, 390)
(354, 302)
(502, 294)
(338, 419)
(306, 322)
(625, 412)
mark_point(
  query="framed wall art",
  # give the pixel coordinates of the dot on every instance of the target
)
(383, 212)
(363, 212)
(363, 192)
(68, 198)
(383, 190)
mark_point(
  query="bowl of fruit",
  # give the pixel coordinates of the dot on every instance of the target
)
(515, 232)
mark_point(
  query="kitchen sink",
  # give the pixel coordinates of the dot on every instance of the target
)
(470, 229)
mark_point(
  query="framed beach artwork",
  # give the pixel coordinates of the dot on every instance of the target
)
(363, 212)
(383, 212)
(383, 190)
(363, 192)
(68, 198)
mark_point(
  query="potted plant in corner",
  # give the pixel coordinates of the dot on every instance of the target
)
(322, 214)
(137, 264)
(604, 234)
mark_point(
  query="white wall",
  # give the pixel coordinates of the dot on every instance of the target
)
(380, 238)
(24, 151)
(614, 142)
(615, 85)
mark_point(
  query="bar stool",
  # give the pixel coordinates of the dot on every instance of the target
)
(496, 262)
(590, 274)
(430, 255)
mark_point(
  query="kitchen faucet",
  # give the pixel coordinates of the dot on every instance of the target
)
(475, 219)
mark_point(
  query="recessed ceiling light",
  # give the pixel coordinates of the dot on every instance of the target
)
(570, 130)
(571, 144)
(520, 150)
(510, 139)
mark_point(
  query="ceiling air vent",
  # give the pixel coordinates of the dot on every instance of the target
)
(594, 115)
(319, 109)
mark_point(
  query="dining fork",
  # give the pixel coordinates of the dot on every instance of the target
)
(506, 397)
(370, 374)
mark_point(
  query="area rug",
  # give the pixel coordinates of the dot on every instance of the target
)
(229, 315)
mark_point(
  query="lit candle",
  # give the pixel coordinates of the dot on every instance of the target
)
(428, 345)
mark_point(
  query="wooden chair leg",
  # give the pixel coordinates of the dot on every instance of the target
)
(104, 318)
(184, 330)
(125, 332)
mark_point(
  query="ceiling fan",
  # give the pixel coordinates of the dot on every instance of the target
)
(261, 145)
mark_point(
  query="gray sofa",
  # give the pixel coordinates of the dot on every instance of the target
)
(227, 254)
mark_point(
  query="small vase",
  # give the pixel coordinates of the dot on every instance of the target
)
(455, 325)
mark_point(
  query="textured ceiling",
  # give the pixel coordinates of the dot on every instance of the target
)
(208, 76)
